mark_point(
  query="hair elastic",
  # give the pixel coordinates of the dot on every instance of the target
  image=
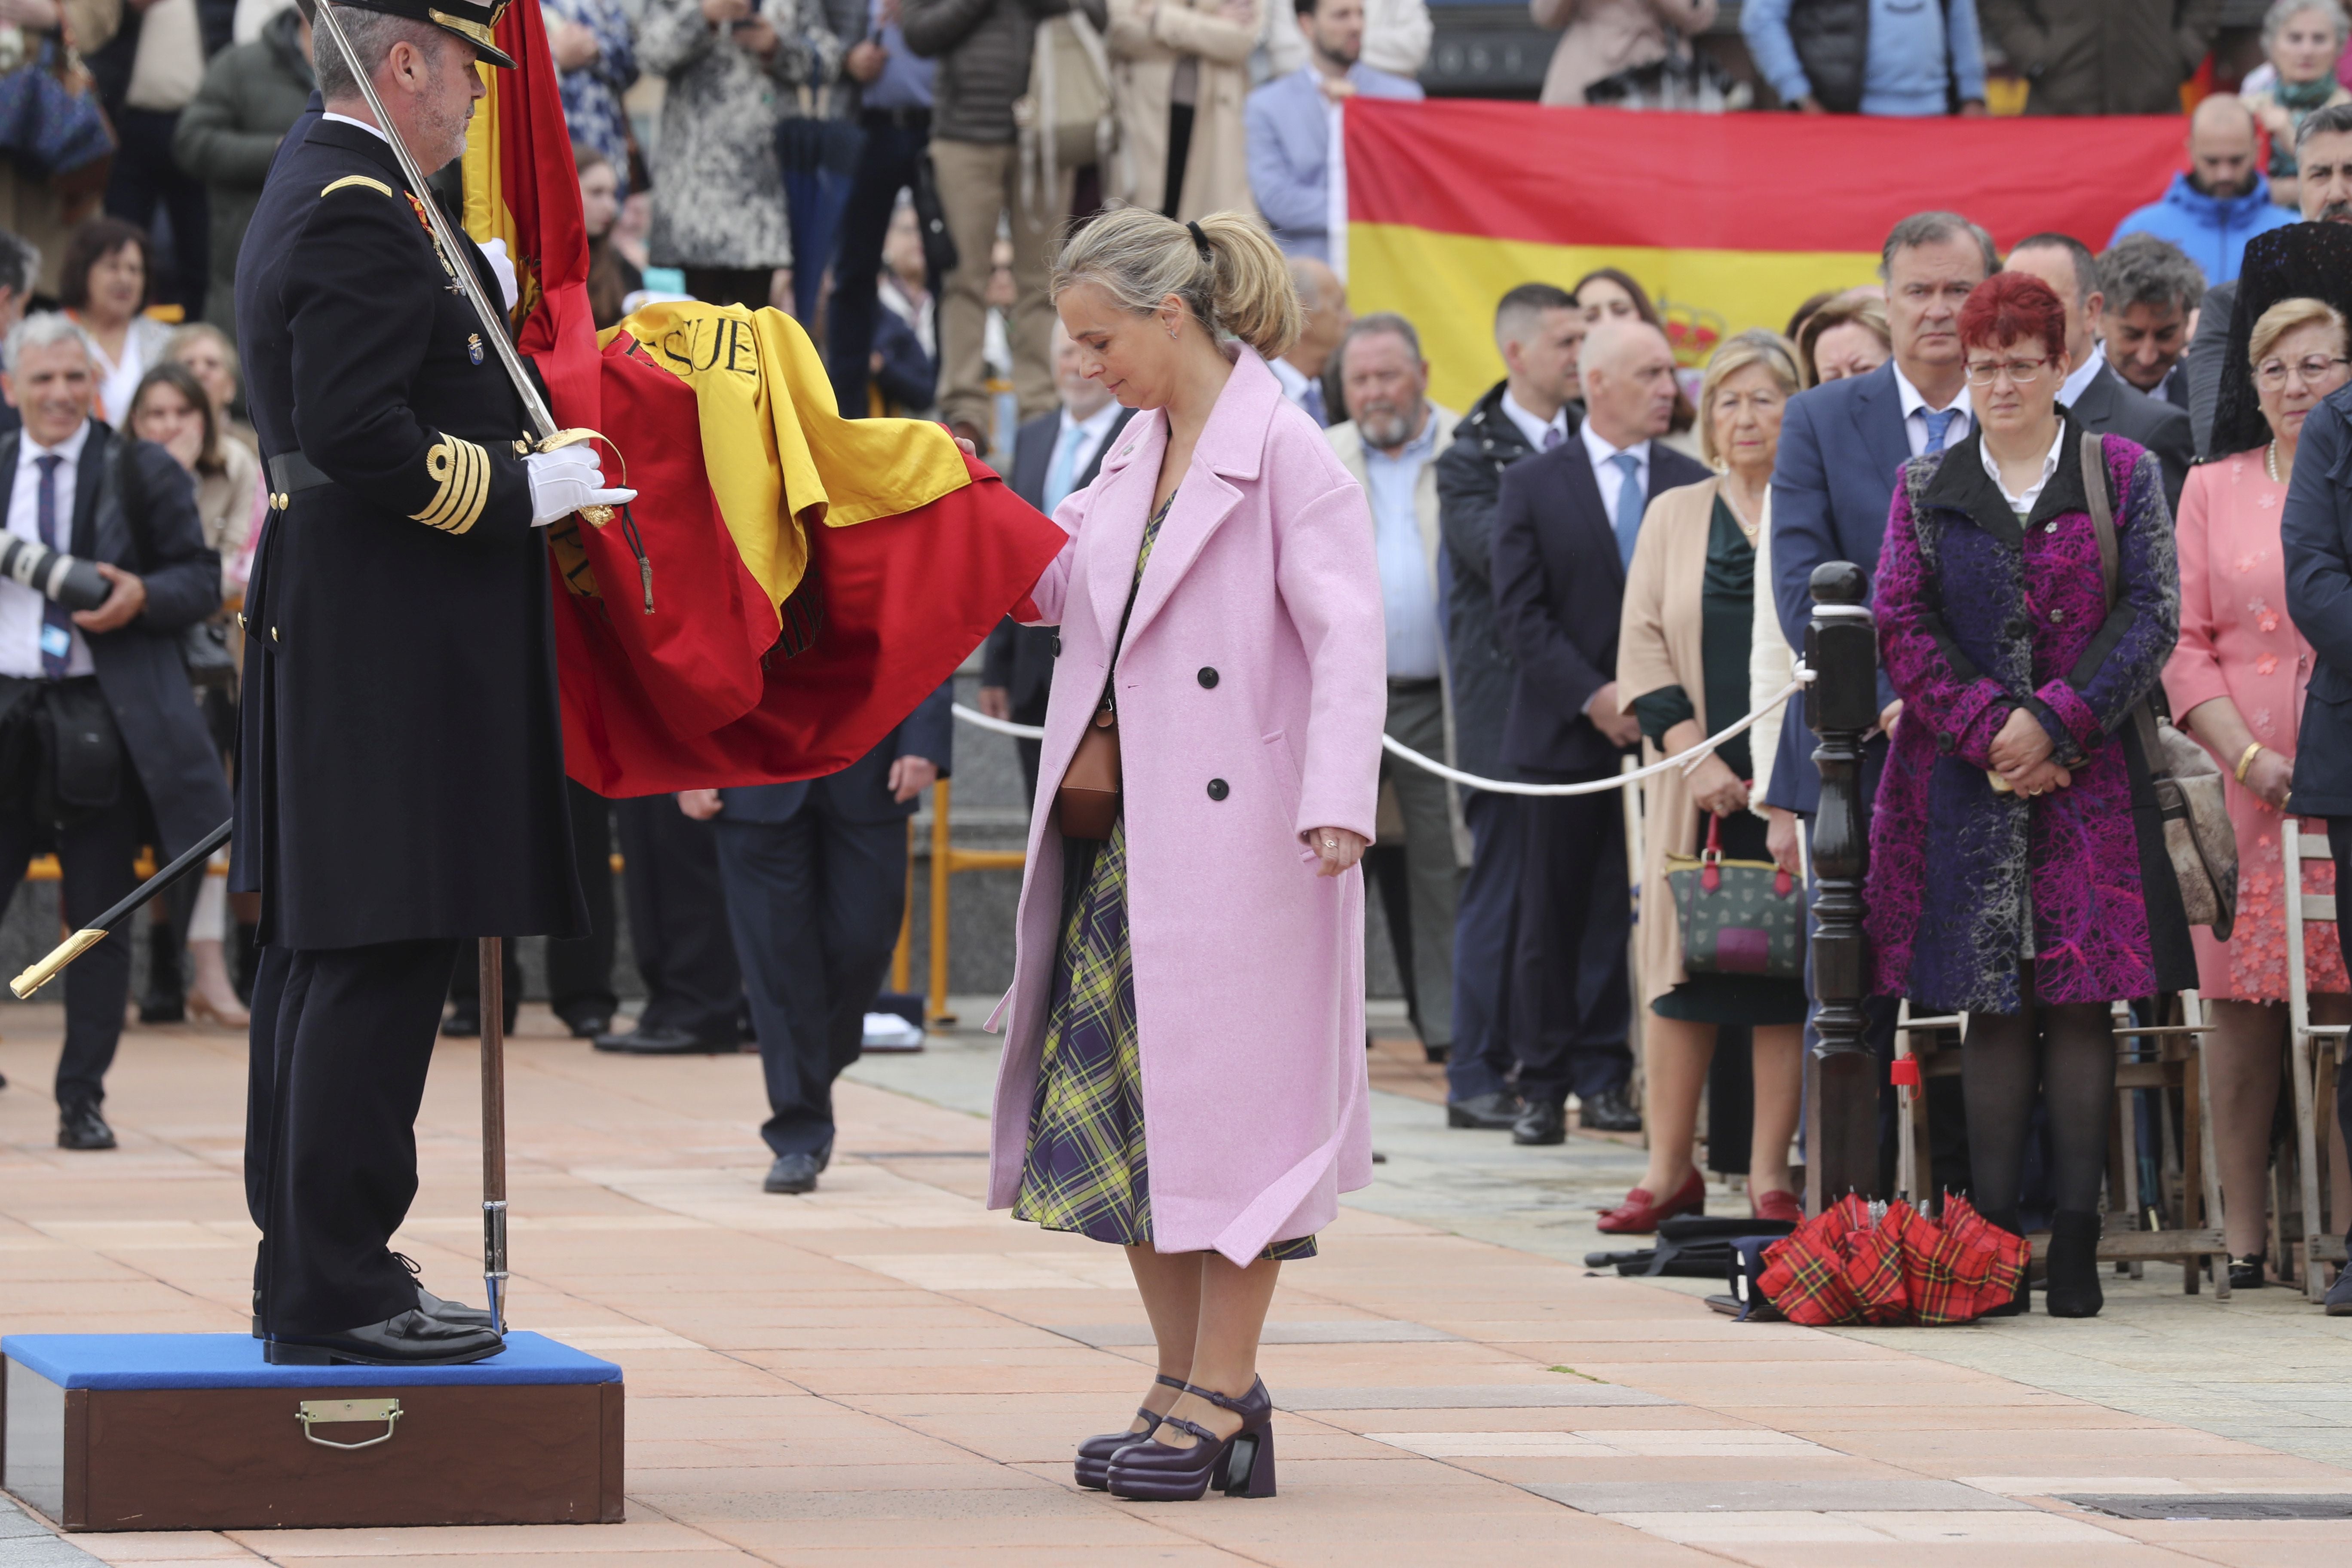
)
(1200, 240)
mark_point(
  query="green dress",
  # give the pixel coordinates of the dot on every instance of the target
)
(1726, 621)
(1083, 1168)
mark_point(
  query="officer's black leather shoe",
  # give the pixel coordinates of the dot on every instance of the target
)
(792, 1173)
(589, 1026)
(662, 1043)
(433, 1306)
(405, 1339)
(1538, 1124)
(80, 1126)
(1609, 1111)
(1496, 1112)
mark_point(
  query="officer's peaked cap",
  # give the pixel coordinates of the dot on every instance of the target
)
(470, 19)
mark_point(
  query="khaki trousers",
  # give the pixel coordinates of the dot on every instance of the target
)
(979, 182)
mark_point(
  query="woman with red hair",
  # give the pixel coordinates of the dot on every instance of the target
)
(2016, 773)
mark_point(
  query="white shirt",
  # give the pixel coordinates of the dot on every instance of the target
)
(1295, 383)
(2079, 379)
(1408, 594)
(2022, 502)
(1915, 416)
(1606, 474)
(374, 131)
(1533, 428)
(1080, 439)
(20, 607)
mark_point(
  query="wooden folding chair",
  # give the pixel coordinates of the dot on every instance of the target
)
(2160, 1056)
(2312, 1067)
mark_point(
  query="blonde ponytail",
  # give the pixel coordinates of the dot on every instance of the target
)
(1225, 267)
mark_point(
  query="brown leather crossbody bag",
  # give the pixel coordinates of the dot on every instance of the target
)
(1086, 804)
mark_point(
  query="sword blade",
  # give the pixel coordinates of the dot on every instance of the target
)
(494, 319)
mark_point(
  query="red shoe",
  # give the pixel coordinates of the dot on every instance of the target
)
(1640, 1213)
(1777, 1205)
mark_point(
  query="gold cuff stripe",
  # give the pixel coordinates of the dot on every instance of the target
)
(358, 180)
(463, 471)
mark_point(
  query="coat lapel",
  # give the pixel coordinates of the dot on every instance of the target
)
(88, 473)
(2097, 405)
(1878, 421)
(1587, 513)
(1232, 447)
(1114, 530)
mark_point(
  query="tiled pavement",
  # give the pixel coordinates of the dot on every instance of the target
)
(887, 1373)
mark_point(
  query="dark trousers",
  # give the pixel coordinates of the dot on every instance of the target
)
(893, 147)
(677, 921)
(1486, 926)
(815, 904)
(145, 176)
(1570, 994)
(2339, 837)
(744, 286)
(341, 1041)
(95, 856)
(579, 971)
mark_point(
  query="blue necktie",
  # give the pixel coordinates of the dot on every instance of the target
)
(1553, 437)
(1629, 505)
(57, 623)
(1936, 425)
(1311, 400)
(1061, 473)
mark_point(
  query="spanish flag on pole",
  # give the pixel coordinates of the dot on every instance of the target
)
(1730, 220)
(788, 585)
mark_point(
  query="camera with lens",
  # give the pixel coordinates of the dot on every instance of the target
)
(69, 579)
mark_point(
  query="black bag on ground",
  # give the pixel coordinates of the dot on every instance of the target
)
(1690, 1247)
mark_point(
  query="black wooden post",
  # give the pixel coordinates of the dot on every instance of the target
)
(1842, 1120)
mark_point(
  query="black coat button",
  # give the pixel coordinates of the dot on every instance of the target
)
(1057, 645)
(1208, 679)
(1946, 744)
(2014, 627)
(1219, 789)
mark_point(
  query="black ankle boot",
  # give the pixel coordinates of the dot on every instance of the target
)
(2009, 1221)
(2072, 1290)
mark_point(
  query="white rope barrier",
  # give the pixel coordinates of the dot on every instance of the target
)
(1686, 760)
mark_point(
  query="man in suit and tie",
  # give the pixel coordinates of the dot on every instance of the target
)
(1303, 371)
(97, 738)
(2095, 394)
(1841, 445)
(1054, 456)
(1536, 407)
(1564, 534)
(816, 885)
(2152, 290)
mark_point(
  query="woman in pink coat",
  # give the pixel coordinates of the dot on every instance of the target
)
(1184, 1070)
(2237, 680)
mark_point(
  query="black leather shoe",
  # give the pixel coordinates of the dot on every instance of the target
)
(590, 1026)
(1437, 1055)
(1494, 1112)
(164, 1010)
(80, 1126)
(792, 1173)
(406, 1339)
(662, 1043)
(1538, 1124)
(1609, 1111)
(433, 1306)
(2072, 1289)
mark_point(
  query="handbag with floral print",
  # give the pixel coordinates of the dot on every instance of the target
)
(1736, 917)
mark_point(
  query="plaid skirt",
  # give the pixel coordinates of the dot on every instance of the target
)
(1084, 1169)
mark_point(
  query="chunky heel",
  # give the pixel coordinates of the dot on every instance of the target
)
(1249, 1472)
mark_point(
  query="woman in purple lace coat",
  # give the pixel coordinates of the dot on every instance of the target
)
(2035, 903)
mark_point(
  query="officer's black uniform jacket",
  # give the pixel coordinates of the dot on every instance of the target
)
(400, 766)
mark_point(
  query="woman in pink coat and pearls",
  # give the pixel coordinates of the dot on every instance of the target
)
(1184, 1071)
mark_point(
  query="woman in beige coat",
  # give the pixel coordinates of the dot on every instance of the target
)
(1180, 72)
(1605, 37)
(1682, 668)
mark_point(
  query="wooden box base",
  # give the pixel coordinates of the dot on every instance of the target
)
(194, 1431)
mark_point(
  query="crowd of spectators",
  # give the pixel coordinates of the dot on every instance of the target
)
(1602, 557)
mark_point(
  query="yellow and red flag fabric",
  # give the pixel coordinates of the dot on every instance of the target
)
(1729, 220)
(788, 585)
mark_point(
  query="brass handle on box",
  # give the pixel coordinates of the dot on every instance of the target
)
(330, 1412)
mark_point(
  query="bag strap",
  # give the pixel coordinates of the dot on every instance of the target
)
(132, 493)
(2103, 524)
(1118, 646)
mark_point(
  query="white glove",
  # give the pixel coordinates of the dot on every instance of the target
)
(564, 480)
(509, 291)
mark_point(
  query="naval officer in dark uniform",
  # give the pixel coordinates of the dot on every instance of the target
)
(400, 770)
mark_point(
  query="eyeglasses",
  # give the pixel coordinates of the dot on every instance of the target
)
(2313, 369)
(2021, 372)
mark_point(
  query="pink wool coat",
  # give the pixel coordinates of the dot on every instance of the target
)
(1249, 986)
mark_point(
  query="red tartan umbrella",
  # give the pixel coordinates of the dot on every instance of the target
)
(1867, 1263)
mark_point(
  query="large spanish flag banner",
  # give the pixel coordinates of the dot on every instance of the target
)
(1729, 220)
(789, 583)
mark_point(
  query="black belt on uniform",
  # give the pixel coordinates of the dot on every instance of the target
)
(289, 473)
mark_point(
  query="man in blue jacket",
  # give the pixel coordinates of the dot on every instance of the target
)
(1290, 122)
(2223, 200)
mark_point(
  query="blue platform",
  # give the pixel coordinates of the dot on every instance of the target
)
(233, 1361)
